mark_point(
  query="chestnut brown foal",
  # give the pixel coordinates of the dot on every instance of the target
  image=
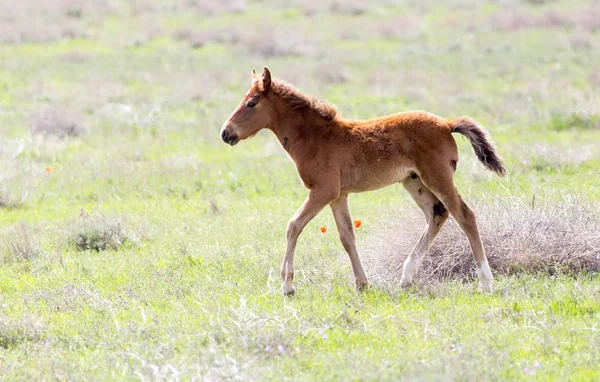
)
(337, 156)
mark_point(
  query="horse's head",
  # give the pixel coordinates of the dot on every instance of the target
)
(253, 114)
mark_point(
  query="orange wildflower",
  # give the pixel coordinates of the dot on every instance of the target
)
(323, 229)
(357, 223)
(48, 170)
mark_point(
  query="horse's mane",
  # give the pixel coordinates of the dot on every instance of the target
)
(296, 99)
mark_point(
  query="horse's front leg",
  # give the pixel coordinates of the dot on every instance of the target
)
(317, 199)
(343, 220)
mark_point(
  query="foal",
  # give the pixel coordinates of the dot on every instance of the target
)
(337, 156)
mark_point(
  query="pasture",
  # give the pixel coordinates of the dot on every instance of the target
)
(136, 245)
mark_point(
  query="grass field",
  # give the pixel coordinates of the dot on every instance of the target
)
(134, 244)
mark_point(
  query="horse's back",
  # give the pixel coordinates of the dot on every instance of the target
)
(384, 150)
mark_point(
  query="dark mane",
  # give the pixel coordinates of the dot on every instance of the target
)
(296, 99)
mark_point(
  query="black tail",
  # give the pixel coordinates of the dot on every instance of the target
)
(480, 140)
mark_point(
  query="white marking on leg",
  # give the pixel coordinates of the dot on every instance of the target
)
(485, 276)
(408, 270)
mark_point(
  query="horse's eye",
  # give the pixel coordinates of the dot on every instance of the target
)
(251, 103)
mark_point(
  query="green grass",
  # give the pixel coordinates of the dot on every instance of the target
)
(194, 292)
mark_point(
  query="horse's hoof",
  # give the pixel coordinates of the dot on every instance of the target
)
(487, 286)
(289, 290)
(362, 285)
(404, 283)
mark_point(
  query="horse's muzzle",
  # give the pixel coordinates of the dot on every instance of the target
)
(229, 136)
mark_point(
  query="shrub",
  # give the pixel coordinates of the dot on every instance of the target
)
(18, 244)
(349, 7)
(55, 121)
(8, 202)
(548, 237)
(98, 233)
(561, 122)
(199, 38)
(16, 331)
(279, 43)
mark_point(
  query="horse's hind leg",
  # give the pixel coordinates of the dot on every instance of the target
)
(435, 213)
(440, 181)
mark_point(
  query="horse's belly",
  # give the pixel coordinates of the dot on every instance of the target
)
(367, 180)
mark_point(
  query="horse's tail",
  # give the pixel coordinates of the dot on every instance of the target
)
(480, 140)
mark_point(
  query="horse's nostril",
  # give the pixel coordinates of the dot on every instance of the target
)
(224, 135)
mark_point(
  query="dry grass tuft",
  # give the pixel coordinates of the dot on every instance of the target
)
(43, 21)
(331, 72)
(56, 121)
(587, 20)
(17, 331)
(15, 33)
(98, 233)
(209, 7)
(198, 7)
(199, 38)
(280, 43)
(349, 7)
(537, 237)
(8, 202)
(399, 28)
(19, 244)
(544, 157)
(54, 9)
(575, 120)
(595, 78)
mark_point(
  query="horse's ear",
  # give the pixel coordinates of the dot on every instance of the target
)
(253, 73)
(266, 80)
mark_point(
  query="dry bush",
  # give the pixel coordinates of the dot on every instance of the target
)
(266, 42)
(199, 38)
(209, 7)
(332, 72)
(19, 244)
(195, 38)
(41, 21)
(17, 32)
(280, 42)
(56, 121)
(399, 28)
(262, 41)
(98, 233)
(8, 200)
(510, 21)
(349, 7)
(595, 78)
(539, 2)
(54, 9)
(540, 156)
(519, 237)
(587, 20)
(200, 7)
(575, 120)
(344, 7)
(580, 42)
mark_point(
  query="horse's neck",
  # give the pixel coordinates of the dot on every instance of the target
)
(291, 134)
(299, 129)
